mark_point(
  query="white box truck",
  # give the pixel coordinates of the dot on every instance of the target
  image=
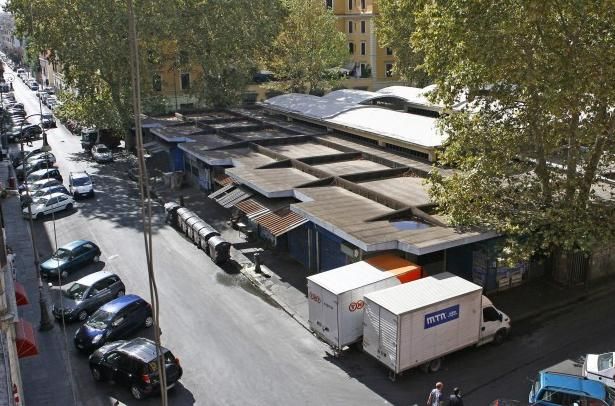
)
(417, 323)
(335, 297)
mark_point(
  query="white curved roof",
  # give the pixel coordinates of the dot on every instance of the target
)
(310, 106)
(416, 96)
(352, 96)
(411, 128)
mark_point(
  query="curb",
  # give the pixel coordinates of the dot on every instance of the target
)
(587, 296)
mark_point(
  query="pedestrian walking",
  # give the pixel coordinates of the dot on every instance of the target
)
(435, 396)
(455, 399)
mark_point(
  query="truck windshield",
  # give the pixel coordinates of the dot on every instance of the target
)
(81, 181)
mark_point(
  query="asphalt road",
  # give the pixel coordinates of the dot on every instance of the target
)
(237, 348)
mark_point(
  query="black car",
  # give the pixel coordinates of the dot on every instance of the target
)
(133, 364)
(48, 121)
(51, 173)
(70, 257)
(115, 320)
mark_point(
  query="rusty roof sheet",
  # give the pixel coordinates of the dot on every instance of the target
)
(252, 209)
(223, 179)
(281, 221)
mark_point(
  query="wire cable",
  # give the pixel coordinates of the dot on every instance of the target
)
(146, 205)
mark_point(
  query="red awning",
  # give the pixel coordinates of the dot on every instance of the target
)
(20, 294)
(24, 340)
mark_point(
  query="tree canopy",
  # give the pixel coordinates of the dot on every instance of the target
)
(537, 140)
(308, 49)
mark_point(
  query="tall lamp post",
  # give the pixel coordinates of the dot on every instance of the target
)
(46, 323)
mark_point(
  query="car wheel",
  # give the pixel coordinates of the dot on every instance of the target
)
(97, 374)
(64, 274)
(69, 206)
(149, 321)
(136, 392)
(434, 365)
(96, 258)
(120, 293)
(82, 315)
(499, 338)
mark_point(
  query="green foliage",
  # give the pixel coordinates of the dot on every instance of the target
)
(89, 110)
(223, 39)
(308, 47)
(395, 25)
(539, 132)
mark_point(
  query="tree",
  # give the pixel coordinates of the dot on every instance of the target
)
(308, 49)
(539, 132)
(395, 25)
(223, 39)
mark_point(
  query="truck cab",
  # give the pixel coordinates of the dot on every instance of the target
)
(494, 326)
(600, 367)
(564, 385)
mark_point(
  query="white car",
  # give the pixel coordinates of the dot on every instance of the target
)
(49, 204)
(101, 153)
(80, 184)
(600, 367)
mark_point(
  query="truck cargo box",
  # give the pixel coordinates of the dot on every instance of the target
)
(335, 297)
(410, 324)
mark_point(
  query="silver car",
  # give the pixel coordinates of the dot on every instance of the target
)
(101, 153)
(77, 300)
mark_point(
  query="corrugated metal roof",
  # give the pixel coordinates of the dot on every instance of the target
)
(221, 191)
(421, 293)
(349, 277)
(223, 179)
(310, 106)
(281, 221)
(251, 208)
(230, 199)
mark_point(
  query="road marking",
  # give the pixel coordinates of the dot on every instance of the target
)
(112, 257)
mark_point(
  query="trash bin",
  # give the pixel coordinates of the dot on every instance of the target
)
(183, 215)
(171, 209)
(190, 224)
(219, 249)
(203, 235)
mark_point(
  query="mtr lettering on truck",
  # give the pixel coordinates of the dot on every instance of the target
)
(441, 316)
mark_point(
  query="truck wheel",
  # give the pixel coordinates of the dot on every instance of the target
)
(499, 337)
(434, 365)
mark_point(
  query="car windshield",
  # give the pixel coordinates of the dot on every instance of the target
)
(61, 254)
(81, 181)
(41, 200)
(40, 193)
(76, 291)
(102, 150)
(100, 319)
(47, 117)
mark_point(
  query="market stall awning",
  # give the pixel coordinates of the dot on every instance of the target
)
(234, 197)
(20, 294)
(280, 221)
(251, 208)
(24, 339)
(223, 179)
(221, 191)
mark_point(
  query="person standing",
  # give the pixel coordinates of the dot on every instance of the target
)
(455, 399)
(435, 396)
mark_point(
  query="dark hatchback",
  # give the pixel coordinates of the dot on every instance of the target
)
(70, 257)
(114, 321)
(133, 364)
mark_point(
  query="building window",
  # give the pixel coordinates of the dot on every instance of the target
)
(349, 27)
(156, 82)
(363, 48)
(329, 3)
(362, 4)
(351, 48)
(185, 81)
(388, 70)
(350, 4)
(389, 51)
(184, 58)
(362, 27)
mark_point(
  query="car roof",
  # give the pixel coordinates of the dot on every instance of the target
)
(141, 348)
(79, 174)
(121, 302)
(74, 244)
(43, 171)
(56, 194)
(92, 278)
(43, 181)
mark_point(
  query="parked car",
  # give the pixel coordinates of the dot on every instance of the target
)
(76, 300)
(113, 321)
(101, 153)
(51, 99)
(134, 364)
(80, 184)
(70, 257)
(49, 204)
(51, 173)
(28, 198)
(40, 184)
(43, 155)
(48, 121)
(32, 165)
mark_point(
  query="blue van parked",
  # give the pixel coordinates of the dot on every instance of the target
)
(115, 320)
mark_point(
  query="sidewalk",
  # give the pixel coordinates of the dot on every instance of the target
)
(45, 376)
(283, 279)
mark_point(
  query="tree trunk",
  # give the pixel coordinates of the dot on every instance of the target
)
(125, 117)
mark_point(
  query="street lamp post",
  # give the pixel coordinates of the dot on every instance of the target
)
(45, 323)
